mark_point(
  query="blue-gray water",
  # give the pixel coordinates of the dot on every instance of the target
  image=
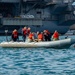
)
(37, 61)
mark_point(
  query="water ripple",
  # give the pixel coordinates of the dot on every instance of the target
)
(37, 61)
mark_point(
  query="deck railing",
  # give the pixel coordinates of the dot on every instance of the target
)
(21, 21)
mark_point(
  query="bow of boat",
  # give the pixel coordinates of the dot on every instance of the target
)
(72, 41)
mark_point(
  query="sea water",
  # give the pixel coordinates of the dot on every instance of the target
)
(37, 61)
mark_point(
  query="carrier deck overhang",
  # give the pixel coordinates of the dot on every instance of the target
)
(42, 10)
(48, 14)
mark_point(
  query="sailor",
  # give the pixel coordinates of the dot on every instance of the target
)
(31, 37)
(24, 32)
(47, 35)
(36, 36)
(15, 35)
(55, 35)
(28, 30)
(40, 36)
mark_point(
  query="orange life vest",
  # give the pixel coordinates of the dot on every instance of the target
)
(31, 36)
(40, 36)
(24, 31)
(56, 35)
(15, 34)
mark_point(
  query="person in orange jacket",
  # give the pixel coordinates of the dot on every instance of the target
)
(55, 36)
(40, 36)
(24, 33)
(15, 35)
(31, 37)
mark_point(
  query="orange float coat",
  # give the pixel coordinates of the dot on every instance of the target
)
(24, 31)
(40, 36)
(15, 34)
(56, 35)
(31, 36)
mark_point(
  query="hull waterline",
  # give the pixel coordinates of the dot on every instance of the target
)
(65, 43)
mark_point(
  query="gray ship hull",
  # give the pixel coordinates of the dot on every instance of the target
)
(49, 25)
(36, 14)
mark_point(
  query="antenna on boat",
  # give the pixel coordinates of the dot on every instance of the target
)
(6, 31)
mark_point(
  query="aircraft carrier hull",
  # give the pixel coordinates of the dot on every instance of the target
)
(49, 25)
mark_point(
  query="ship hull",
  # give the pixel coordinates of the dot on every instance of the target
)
(46, 25)
(51, 15)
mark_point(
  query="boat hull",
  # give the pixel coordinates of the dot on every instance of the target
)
(65, 43)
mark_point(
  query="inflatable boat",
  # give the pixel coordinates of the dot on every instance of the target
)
(64, 43)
